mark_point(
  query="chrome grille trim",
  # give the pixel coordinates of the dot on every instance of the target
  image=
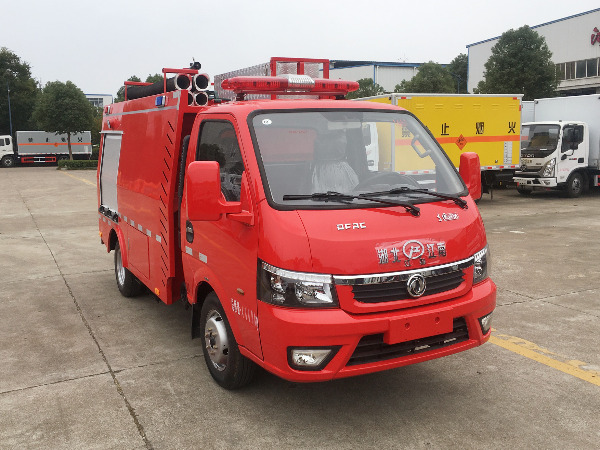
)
(392, 277)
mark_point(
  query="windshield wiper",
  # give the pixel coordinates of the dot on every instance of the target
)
(338, 196)
(404, 189)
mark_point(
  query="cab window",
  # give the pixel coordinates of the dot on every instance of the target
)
(218, 142)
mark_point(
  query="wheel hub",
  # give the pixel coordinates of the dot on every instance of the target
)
(216, 341)
(120, 269)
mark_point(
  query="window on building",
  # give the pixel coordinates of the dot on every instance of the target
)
(96, 102)
(584, 68)
(569, 70)
(580, 69)
(560, 71)
(592, 67)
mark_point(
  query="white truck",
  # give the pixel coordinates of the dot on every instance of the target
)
(560, 148)
(43, 147)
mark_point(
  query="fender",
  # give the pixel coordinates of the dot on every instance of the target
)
(122, 245)
(204, 274)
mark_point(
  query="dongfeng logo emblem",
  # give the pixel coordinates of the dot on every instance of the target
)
(416, 285)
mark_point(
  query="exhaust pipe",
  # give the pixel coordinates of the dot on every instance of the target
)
(177, 83)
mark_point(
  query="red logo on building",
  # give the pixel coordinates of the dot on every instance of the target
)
(596, 36)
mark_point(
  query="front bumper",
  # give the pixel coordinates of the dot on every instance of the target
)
(398, 338)
(535, 182)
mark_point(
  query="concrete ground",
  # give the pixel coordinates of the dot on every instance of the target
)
(83, 367)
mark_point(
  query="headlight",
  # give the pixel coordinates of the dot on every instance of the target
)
(481, 265)
(548, 169)
(295, 289)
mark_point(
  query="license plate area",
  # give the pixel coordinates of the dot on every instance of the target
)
(417, 326)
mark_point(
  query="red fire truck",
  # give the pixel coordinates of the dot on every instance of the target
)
(295, 252)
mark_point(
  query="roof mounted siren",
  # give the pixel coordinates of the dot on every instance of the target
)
(289, 84)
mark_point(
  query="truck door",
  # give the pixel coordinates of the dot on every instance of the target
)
(573, 151)
(224, 252)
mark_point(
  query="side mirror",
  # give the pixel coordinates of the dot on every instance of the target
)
(203, 188)
(470, 171)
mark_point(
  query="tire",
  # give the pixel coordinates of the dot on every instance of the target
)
(128, 284)
(62, 158)
(8, 161)
(575, 185)
(228, 367)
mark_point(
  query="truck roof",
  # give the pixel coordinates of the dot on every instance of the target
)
(254, 105)
(554, 122)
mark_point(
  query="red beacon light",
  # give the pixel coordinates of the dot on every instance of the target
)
(289, 85)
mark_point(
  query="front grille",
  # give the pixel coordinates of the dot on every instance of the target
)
(372, 348)
(396, 290)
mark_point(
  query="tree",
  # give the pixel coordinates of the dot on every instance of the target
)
(121, 92)
(366, 88)
(62, 108)
(96, 127)
(459, 68)
(16, 76)
(520, 63)
(431, 77)
(156, 78)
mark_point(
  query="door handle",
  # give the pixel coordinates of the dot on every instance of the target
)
(189, 231)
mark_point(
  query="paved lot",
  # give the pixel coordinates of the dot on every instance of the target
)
(83, 367)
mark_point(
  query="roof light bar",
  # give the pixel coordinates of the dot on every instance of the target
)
(290, 85)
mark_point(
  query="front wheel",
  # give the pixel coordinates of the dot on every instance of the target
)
(228, 367)
(7, 161)
(128, 284)
(575, 185)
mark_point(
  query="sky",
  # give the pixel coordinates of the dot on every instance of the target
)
(97, 45)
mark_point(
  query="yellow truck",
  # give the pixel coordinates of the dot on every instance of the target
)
(489, 125)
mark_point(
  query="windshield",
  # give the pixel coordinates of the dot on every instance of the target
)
(539, 140)
(350, 152)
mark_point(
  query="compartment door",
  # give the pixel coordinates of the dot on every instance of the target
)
(111, 152)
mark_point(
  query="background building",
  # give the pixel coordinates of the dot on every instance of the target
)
(99, 100)
(575, 45)
(386, 74)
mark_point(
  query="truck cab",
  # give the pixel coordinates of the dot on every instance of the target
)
(7, 155)
(554, 155)
(327, 266)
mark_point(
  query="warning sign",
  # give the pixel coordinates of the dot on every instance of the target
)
(461, 141)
